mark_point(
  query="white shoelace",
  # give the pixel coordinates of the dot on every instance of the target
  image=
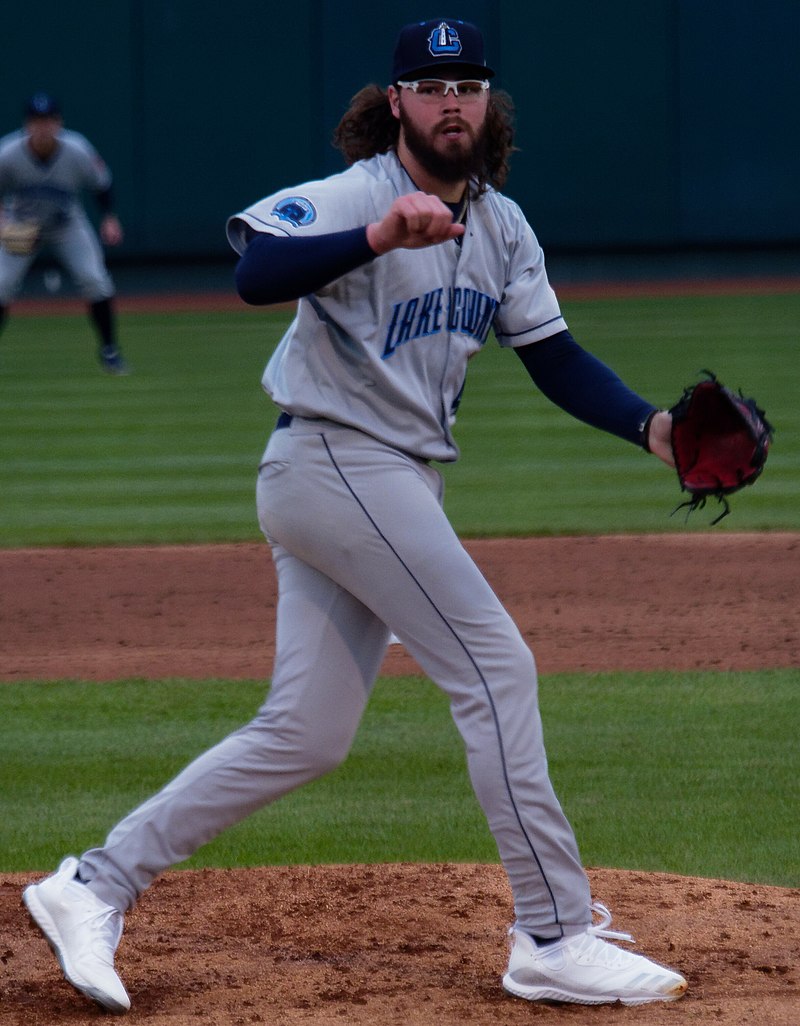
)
(591, 947)
(108, 928)
(601, 929)
(103, 925)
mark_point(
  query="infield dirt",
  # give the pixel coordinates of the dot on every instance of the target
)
(404, 945)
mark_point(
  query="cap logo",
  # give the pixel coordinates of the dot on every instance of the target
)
(42, 104)
(444, 41)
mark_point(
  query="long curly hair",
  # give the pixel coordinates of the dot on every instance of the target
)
(369, 127)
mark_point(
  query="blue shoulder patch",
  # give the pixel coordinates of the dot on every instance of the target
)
(297, 210)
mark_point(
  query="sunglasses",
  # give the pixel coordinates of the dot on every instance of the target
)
(431, 90)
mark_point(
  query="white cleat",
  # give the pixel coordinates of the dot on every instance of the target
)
(82, 931)
(584, 969)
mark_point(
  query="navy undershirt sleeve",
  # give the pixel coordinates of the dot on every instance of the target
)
(275, 269)
(105, 200)
(586, 388)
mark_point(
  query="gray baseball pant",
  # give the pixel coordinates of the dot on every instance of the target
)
(361, 547)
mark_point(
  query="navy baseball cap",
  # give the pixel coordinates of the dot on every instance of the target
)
(424, 47)
(42, 105)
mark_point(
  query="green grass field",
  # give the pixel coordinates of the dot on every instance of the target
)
(692, 773)
(169, 453)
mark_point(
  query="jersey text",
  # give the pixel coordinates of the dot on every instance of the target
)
(463, 310)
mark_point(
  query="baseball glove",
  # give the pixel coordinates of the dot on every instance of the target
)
(19, 237)
(720, 441)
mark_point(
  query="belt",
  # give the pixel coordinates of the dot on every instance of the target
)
(285, 419)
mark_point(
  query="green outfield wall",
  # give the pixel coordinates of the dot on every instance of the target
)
(641, 123)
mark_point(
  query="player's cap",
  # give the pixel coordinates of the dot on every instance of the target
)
(424, 47)
(42, 105)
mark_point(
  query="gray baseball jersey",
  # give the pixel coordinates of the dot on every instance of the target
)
(49, 193)
(385, 348)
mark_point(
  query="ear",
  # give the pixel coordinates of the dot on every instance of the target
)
(394, 100)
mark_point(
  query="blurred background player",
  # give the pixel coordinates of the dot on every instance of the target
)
(44, 168)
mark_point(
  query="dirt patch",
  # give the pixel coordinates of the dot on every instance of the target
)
(215, 299)
(401, 944)
(598, 603)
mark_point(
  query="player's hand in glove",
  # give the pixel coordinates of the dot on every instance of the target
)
(413, 222)
(659, 438)
(19, 238)
(720, 440)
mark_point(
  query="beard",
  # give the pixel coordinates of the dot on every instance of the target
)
(458, 163)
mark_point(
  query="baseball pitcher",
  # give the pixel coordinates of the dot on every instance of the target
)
(404, 266)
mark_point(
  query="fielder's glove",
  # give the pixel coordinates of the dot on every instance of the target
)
(720, 442)
(19, 237)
